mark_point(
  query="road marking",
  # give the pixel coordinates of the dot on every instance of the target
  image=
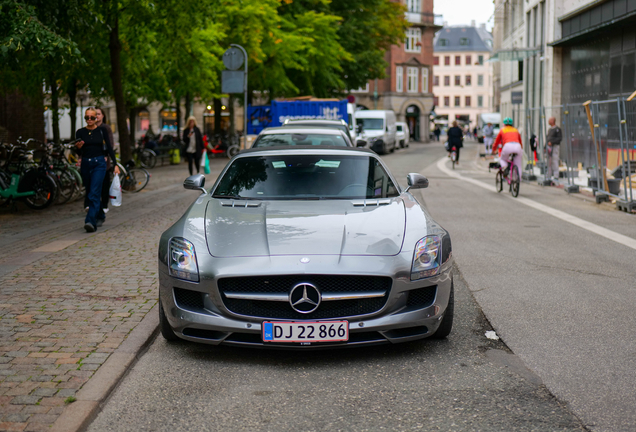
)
(589, 226)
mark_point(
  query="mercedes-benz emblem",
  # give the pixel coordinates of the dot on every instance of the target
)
(304, 298)
(304, 260)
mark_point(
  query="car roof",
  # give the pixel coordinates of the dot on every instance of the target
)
(315, 121)
(301, 129)
(308, 150)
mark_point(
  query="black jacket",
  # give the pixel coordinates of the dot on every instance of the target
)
(456, 137)
(198, 136)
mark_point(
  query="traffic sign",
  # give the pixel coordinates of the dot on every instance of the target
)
(233, 58)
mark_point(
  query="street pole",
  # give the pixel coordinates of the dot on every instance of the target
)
(245, 97)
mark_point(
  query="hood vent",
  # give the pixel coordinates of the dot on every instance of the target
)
(371, 202)
(240, 204)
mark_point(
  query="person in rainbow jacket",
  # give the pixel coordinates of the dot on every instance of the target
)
(510, 138)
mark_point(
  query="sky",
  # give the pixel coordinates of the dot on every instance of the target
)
(461, 12)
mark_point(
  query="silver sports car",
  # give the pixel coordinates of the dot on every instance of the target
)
(305, 247)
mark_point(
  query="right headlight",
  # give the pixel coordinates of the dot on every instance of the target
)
(182, 260)
(427, 257)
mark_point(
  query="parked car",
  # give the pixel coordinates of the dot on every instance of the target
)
(403, 136)
(302, 136)
(302, 248)
(329, 124)
(377, 129)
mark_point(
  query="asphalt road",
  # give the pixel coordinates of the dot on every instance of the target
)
(521, 277)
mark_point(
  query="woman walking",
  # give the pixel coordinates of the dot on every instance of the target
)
(194, 144)
(94, 143)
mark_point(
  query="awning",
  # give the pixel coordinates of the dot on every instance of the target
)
(514, 54)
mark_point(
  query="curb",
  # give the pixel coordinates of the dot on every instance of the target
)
(77, 416)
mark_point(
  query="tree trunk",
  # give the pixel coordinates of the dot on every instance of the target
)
(217, 116)
(232, 120)
(178, 106)
(72, 95)
(118, 89)
(55, 108)
(133, 125)
(188, 104)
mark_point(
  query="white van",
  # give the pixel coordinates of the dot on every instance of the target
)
(483, 120)
(378, 129)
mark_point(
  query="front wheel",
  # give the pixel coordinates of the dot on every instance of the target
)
(446, 325)
(499, 181)
(134, 180)
(166, 331)
(514, 181)
(453, 158)
(45, 192)
(148, 158)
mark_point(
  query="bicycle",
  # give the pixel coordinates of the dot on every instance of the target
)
(453, 156)
(146, 158)
(514, 179)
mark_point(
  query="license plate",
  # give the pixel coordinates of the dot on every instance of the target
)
(319, 331)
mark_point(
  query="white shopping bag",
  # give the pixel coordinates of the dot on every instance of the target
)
(115, 192)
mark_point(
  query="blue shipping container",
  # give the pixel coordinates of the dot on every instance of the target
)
(275, 114)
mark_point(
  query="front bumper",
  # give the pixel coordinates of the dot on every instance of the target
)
(395, 322)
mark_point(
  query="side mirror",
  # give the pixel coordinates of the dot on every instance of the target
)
(361, 143)
(195, 182)
(359, 128)
(416, 181)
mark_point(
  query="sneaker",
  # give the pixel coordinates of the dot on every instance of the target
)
(100, 222)
(89, 227)
(86, 209)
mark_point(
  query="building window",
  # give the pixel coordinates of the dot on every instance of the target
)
(435, 100)
(469, 60)
(436, 81)
(467, 101)
(480, 80)
(413, 41)
(446, 60)
(412, 79)
(447, 80)
(469, 80)
(458, 80)
(458, 60)
(364, 89)
(447, 101)
(413, 5)
(436, 60)
(457, 101)
(480, 101)
(399, 79)
(443, 42)
(480, 59)
(424, 80)
(464, 41)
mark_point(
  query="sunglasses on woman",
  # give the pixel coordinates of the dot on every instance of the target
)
(90, 118)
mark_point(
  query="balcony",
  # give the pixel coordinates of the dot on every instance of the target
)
(424, 18)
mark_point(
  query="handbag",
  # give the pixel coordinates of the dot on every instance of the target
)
(205, 162)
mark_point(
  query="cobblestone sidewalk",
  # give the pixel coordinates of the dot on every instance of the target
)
(63, 315)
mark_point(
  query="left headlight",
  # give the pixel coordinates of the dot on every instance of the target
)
(427, 256)
(182, 260)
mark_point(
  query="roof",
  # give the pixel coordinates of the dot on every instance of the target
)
(300, 129)
(464, 38)
(309, 121)
(277, 150)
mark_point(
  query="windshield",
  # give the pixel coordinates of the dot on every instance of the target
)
(371, 124)
(292, 139)
(399, 128)
(306, 177)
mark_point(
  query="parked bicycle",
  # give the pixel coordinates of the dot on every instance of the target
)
(132, 178)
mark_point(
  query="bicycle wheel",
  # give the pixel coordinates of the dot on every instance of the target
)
(515, 180)
(135, 180)
(232, 151)
(44, 188)
(66, 185)
(453, 158)
(5, 181)
(148, 158)
(499, 181)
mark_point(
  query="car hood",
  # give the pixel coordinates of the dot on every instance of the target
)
(334, 227)
(372, 133)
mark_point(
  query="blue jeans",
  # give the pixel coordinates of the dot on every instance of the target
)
(93, 172)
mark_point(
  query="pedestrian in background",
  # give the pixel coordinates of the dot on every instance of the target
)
(108, 178)
(194, 144)
(93, 143)
(489, 136)
(553, 140)
(455, 139)
(437, 132)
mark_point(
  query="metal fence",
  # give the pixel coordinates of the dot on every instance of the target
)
(608, 157)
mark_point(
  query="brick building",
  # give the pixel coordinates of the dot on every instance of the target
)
(407, 88)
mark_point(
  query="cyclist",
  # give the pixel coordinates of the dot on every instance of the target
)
(510, 139)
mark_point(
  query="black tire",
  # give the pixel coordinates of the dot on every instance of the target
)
(446, 325)
(515, 181)
(499, 181)
(67, 186)
(5, 181)
(166, 331)
(453, 158)
(45, 192)
(135, 180)
(232, 151)
(148, 158)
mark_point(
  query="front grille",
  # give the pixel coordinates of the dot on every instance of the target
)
(188, 300)
(284, 284)
(422, 297)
